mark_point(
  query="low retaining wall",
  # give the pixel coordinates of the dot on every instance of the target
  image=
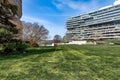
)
(78, 42)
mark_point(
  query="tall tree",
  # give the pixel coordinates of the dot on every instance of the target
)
(34, 33)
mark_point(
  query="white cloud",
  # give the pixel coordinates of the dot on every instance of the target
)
(52, 27)
(77, 5)
(58, 5)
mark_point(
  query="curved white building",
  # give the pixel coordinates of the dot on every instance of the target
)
(102, 24)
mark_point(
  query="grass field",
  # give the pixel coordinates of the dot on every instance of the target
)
(69, 62)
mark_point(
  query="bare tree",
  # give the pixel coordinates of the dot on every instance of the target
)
(64, 39)
(97, 37)
(34, 33)
(57, 39)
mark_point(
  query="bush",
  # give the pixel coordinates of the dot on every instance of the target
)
(14, 47)
(21, 46)
(9, 48)
(34, 45)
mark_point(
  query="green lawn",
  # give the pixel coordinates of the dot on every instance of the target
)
(71, 62)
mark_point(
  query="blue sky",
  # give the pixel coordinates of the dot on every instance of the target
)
(54, 13)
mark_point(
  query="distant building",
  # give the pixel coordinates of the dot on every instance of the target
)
(101, 24)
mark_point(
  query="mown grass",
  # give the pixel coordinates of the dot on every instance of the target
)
(68, 62)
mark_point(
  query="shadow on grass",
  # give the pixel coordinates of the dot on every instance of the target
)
(30, 52)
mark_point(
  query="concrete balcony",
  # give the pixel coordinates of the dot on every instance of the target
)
(18, 3)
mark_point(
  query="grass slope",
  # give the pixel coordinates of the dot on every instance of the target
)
(70, 62)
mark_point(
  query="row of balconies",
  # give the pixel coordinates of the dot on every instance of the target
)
(92, 31)
(107, 17)
(104, 28)
(109, 13)
(94, 22)
(105, 10)
(18, 3)
(117, 32)
(101, 38)
(104, 36)
(102, 21)
(75, 21)
(103, 31)
(99, 28)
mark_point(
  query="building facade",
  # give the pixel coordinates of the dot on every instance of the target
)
(18, 3)
(14, 19)
(101, 24)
